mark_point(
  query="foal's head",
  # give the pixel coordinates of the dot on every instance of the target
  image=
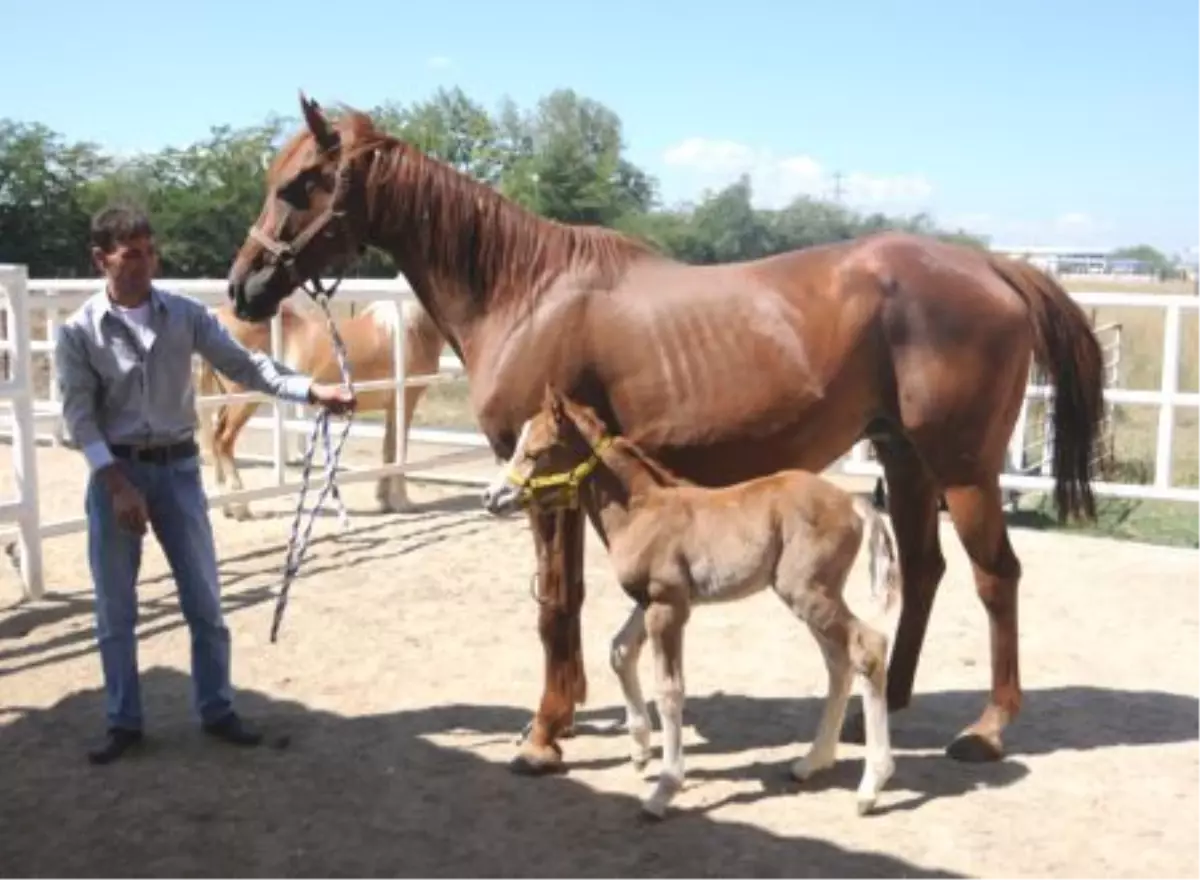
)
(557, 450)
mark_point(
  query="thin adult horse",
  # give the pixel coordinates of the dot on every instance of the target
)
(308, 348)
(722, 372)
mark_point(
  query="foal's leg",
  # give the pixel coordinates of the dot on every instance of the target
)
(823, 751)
(665, 622)
(978, 515)
(869, 657)
(624, 655)
(850, 646)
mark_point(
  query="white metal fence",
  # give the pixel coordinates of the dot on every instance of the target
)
(37, 419)
(55, 298)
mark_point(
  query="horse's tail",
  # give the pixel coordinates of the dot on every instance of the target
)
(881, 556)
(1067, 348)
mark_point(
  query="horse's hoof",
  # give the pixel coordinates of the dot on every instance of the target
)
(853, 730)
(973, 747)
(865, 806)
(538, 761)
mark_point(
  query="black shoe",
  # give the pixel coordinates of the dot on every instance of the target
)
(115, 744)
(233, 730)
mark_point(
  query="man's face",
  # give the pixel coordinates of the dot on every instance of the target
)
(129, 266)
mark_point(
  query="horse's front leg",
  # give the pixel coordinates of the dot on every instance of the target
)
(558, 539)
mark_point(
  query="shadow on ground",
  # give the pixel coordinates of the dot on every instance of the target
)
(433, 523)
(1073, 718)
(366, 796)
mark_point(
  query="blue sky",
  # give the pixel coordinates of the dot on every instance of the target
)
(1038, 122)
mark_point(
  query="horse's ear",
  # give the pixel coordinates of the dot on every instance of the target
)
(315, 119)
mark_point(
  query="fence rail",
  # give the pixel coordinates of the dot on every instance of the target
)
(20, 297)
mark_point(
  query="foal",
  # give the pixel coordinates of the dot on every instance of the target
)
(674, 544)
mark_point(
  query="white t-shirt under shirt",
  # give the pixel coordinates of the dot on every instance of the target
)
(138, 320)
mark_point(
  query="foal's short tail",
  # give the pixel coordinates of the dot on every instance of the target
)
(884, 567)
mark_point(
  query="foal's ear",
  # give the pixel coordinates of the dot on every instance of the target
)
(555, 404)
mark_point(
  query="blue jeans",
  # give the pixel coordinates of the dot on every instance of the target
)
(178, 509)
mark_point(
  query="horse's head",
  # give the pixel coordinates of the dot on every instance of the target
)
(557, 450)
(313, 219)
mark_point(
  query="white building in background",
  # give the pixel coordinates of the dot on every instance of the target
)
(1189, 262)
(1068, 260)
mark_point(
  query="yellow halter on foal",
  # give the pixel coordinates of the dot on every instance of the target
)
(560, 490)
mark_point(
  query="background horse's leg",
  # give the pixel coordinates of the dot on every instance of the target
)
(913, 505)
(558, 539)
(978, 516)
(384, 494)
(229, 425)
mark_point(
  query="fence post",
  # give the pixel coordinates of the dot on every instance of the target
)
(14, 279)
(400, 373)
(1016, 443)
(1170, 387)
(279, 435)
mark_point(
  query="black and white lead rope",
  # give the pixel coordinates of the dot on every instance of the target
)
(297, 544)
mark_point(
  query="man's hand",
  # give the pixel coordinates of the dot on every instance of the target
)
(128, 504)
(334, 398)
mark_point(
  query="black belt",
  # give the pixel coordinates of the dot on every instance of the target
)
(164, 454)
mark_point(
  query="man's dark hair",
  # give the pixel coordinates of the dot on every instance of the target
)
(118, 224)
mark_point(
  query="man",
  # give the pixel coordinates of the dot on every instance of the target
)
(124, 362)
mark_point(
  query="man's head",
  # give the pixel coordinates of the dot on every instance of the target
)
(124, 252)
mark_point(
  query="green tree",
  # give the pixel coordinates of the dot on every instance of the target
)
(44, 219)
(565, 158)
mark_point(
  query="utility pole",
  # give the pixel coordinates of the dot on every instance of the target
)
(837, 186)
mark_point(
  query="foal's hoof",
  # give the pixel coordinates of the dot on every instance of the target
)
(975, 747)
(647, 815)
(866, 806)
(853, 729)
(538, 761)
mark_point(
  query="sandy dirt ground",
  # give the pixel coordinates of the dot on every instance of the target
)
(409, 659)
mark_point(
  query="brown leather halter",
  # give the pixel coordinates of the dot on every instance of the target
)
(330, 221)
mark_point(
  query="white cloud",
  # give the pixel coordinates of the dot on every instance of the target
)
(1068, 229)
(1074, 221)
(439, 62)
(777, 180)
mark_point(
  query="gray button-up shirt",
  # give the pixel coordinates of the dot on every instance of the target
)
(118, 388)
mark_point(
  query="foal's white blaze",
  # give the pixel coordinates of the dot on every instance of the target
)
(500, 496)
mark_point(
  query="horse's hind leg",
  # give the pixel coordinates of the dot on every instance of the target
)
(912, 498)
(978, 516)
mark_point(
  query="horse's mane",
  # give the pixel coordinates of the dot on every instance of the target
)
(460, 224)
